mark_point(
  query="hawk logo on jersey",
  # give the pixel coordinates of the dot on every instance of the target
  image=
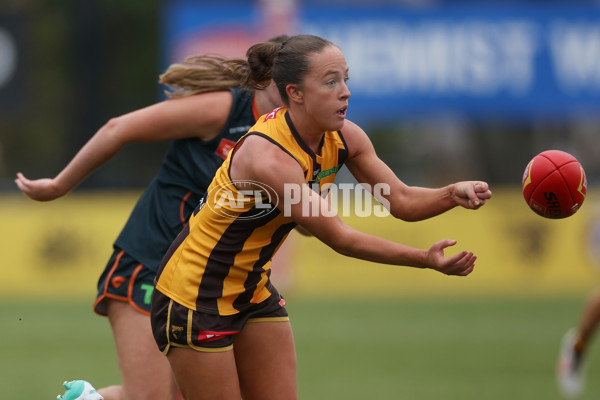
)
(272, 114)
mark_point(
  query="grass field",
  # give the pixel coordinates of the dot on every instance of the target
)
(386, 349)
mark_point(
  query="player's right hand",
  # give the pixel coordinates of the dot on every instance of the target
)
(38, 189)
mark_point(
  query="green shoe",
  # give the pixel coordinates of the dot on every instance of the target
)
(79, 390)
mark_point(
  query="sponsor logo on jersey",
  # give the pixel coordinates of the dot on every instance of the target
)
(224, 148)
(207, 336)
(326, 173)
(239, 129)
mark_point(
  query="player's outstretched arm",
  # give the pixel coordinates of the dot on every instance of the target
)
(277, 169)
(409, 203)
(167, 120)
(331, 230)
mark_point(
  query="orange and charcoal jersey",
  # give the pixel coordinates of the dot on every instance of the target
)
(220, 263)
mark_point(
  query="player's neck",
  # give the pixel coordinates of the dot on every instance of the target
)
(265, 101)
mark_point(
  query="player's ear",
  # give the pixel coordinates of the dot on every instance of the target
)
(294, 93)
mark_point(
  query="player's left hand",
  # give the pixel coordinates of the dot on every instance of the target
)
(471, 194)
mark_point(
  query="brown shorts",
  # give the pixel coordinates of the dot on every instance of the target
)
(178, 326)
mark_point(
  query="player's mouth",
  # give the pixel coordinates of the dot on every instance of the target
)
(342, 112)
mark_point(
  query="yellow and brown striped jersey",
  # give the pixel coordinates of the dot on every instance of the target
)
(221, 262)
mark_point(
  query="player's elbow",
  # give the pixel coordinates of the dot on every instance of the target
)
(342, 243)
(303, 231)
(114, 131)
(402, 206)
(403, 213)
(112, 125)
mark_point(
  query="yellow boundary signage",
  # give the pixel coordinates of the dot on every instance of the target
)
(59, 249)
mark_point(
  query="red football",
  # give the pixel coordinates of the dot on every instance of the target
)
(554, 184)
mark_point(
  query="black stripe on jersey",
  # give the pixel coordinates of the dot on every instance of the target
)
(262, 135)
(265, 255)
(342, 153)
(223, 256)
(301, 141)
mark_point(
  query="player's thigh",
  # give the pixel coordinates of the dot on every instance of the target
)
(266, 361)
(145, 370)
(205, 375)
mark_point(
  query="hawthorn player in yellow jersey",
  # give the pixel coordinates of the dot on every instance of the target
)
(232, 237)
(215, 315)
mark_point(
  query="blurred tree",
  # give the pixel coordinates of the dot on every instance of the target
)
(84, 62)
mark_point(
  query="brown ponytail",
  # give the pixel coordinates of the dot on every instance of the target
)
(285, 63)
(260, 61)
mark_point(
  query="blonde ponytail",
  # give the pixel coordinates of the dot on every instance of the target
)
(212, 72)
(201, 74)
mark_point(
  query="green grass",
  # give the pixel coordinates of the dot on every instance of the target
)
(47, 343)
(387, 349)
(479, 349)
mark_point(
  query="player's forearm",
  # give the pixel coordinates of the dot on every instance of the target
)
(373, 248)
(97, 151)
(420, 203)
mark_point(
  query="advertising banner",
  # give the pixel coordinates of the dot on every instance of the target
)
(515, 59)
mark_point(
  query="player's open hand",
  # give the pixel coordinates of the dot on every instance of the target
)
(471, 194)
(461, 264)
(38, 189)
